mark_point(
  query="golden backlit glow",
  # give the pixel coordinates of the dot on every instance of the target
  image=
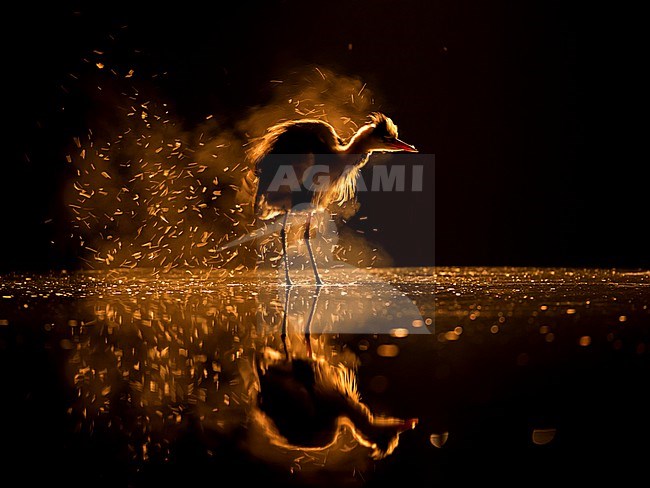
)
(149, 192)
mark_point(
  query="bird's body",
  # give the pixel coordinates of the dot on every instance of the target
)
(306, 165)
(323, 164)
(302, 145)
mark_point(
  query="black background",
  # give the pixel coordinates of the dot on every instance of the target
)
(491, 88)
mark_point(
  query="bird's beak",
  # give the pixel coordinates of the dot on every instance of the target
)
(402, 146)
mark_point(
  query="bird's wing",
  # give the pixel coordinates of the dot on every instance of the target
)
(303, 137)
(300, 145)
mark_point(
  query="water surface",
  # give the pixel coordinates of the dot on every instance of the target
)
(128, 379)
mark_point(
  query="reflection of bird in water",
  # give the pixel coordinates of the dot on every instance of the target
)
(309, 401)
(306, 163)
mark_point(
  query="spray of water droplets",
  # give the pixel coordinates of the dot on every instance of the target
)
(149, 191)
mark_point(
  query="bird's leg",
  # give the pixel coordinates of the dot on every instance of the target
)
(285, 317)
(314, 302)
(283, 237)
(311, 254)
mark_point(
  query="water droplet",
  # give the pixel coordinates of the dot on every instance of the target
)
(622, 318)
(451, 336)
(363, 345)
(438, 440)
(543, 436)
(494, 329)
(550, 337)
(570, 311)
(400, 332)
(388, 350)
(584, 341)
(417, 323)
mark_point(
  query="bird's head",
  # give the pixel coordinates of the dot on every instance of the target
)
(380, 135)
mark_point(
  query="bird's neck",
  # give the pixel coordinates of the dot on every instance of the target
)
(359, 143)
